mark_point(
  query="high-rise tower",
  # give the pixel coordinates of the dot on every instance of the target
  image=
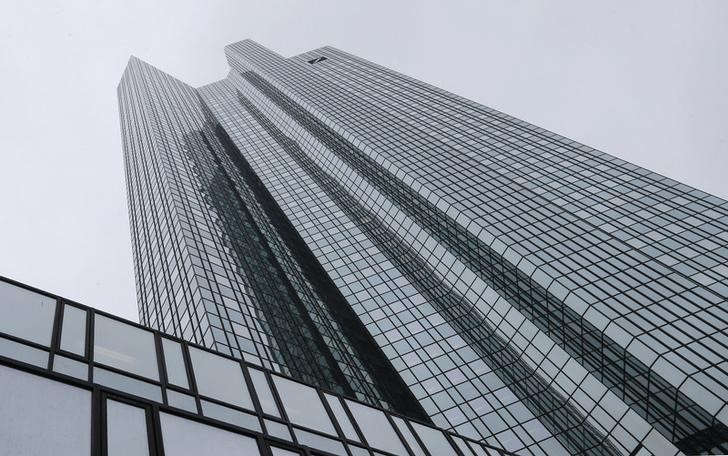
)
(357, 229)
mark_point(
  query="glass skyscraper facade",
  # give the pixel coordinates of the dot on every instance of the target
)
(356, 229)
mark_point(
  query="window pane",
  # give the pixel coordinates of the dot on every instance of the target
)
(182, 437)
(319, 442)
(24, 353)
(125, 347)
(357, 451)
(127, 384)
(73, 332)
(433, 439)
(70, 367)
(175, 363)
(126, 430)
(229, 415)
(181, 401)
(26, 314)
(276, 429)
(265, 396)
(376, 428)
(303, 405)
(344, 423)
(220, 378)
(283, 452)
(43, 417)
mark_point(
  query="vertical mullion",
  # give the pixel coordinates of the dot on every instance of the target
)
(191, 375)
(253, 395)
(399, 434)
(98, 422)
(277, 398)
(416, 436)
(154, 431)
(90, 343)
(354, 423)
(56, 333)
(332, 417)
(161, 366)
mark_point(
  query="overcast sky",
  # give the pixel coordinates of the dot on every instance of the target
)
(643, 80)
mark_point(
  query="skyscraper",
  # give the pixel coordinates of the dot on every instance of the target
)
(331, 219)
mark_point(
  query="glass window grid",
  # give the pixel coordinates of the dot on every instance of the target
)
(338, 217)
(257, 56)
(153, 409)
(251, 52)
(178, 244)
(348, 204)
(518, 153)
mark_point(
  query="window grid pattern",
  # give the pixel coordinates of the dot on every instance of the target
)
(246, 291)
(162, 263)
(270, 426)
(489, 346)
(663, 326)
(530, 291)
(454, 412)
(689, 409)
(359, 359)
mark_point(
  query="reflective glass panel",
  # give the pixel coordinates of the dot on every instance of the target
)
(319, 442)
(70, 367)
(302, 405)
(24, 353)
(344, 423)
(126, 430)
(229, 415)
(358, 451)
(40, 417)
(73, 332)
(183, 437)
(265, 396)
(220, 378)
(375, 426)
(26, 314)
(175, 363)
(277, 429)
(181, 401)
(127, 384)
(434, 439)
(283, 452)
(125, 347)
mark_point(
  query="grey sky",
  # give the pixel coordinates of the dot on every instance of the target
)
(642, 80)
